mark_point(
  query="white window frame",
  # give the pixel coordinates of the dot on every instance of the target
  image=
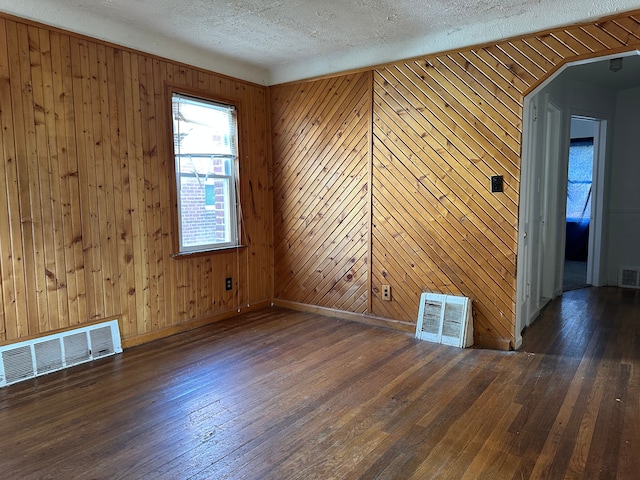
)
(230, 176)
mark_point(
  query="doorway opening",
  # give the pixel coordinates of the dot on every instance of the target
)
(579, 194)
(553, 195)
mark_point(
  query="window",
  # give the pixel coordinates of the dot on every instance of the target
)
(579, 180)
(205, 147)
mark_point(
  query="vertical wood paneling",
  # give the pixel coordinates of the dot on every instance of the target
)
(442, 125)
(23, 122)
(321, 184)
(166, 268)
(55, 261)
(75, 273)
(12, 290)
(87, 216)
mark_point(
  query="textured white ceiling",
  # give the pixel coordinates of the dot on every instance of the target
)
(274, 41)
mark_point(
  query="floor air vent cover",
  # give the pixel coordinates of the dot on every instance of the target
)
(32, 358)
(445, 319)
(629, 277)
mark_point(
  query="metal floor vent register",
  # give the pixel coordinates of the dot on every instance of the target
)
(629, 277)
(32, 358)
(445, 319)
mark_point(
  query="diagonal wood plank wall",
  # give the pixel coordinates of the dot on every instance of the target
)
(441, 126)
(321, 192)
(87, 223)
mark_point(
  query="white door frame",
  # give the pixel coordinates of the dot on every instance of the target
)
(552, 223)
(596, 215)
(523, 267)
(596, 226)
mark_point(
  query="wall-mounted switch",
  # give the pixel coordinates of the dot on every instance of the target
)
(497, 184)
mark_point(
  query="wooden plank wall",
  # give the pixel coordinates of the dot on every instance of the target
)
(321, 192)
(87, 225)
(442, 125)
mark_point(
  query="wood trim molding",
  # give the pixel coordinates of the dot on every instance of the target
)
(190, 325)
(172, 88)
(492, 343)
(354, 317)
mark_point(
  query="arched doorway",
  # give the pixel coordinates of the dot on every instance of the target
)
(588, 89)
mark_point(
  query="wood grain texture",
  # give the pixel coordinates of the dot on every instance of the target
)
(321, 185)
(87, 216)
(277, 394)
(381, 177)
(442, 126)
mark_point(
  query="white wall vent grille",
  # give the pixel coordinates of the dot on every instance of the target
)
(32, 358)
(629, 277)
(445, 319)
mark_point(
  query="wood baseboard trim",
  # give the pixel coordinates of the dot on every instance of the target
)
(191, 325)
(492, 343)
(354, 317)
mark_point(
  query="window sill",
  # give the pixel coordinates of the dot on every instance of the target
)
(211, 251)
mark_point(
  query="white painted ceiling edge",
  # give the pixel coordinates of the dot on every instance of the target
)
(270, 42)
(565, 12)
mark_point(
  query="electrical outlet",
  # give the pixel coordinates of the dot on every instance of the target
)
(228, 283)
(386, 293)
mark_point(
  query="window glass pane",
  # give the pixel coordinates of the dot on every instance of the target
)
(579, 180)
(581, 160)
(205, 211)
(204, 144)
(202, 127)
(578, 201)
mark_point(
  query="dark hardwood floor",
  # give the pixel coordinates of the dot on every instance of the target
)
(285, 395)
